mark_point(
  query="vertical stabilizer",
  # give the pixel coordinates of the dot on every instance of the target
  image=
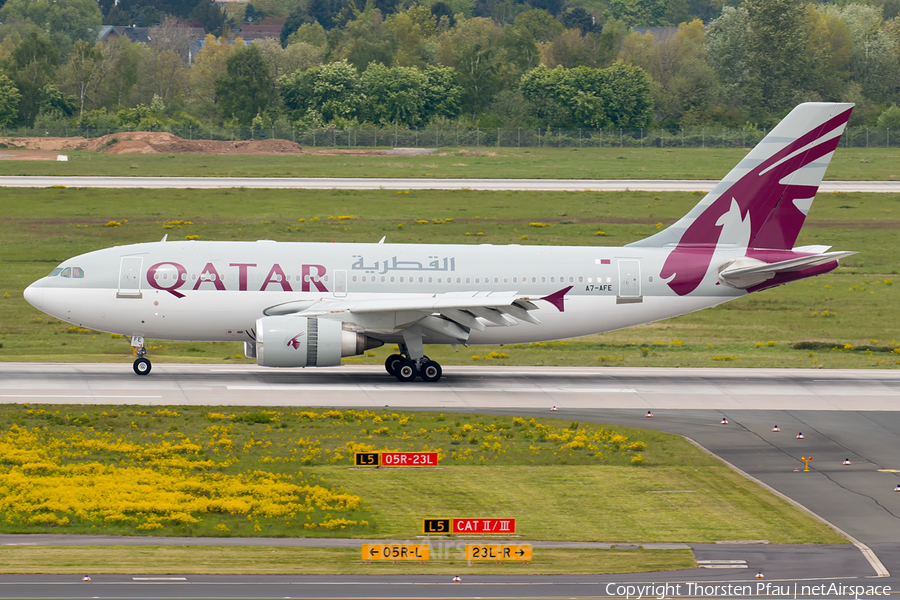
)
(763, 201)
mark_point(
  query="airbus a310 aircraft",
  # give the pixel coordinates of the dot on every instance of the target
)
(309, 304)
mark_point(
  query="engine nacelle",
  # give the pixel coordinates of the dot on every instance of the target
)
(287, 341)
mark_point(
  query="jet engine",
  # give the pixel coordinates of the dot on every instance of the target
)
(287, 341)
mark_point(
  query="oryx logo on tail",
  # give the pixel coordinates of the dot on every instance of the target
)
(769, 192)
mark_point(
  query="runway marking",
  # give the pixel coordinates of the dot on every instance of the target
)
(301, 387)
(889, 470)
(721, 562)
(159, 578)
(69, 396)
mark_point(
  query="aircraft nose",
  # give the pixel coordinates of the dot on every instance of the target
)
(35, 296)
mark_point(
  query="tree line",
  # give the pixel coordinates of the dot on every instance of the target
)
(444, 65)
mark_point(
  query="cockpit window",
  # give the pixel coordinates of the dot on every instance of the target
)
(69, 272)
(55, 272)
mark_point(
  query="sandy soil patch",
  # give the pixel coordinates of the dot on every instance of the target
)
(146, 142)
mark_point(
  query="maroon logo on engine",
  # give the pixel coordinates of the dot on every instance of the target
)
(294, 342)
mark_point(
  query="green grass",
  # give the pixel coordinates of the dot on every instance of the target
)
(233, 560)
(40, 228)
(560, 480)
(532, 163)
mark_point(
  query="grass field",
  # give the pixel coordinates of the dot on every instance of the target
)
(532, 163)
(235, 560)
(215, 471)
(846, 318)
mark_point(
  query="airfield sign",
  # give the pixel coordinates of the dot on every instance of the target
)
(463, 526)
(521, 552)
(396, 459)
(395, 552)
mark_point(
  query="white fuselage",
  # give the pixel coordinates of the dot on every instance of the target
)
(215, 291)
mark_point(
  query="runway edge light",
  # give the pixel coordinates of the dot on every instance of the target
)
(759, 575)
(649, 415)
(724, 421)
(776, 428)
(847, 461)
(800, 436)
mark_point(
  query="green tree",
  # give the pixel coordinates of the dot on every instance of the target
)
(81, 70)
(32, 66)
(247, 88)
(830, 48)
(55, 103)
(591, 98)
(443, 95)
(889, 119)
(626, 96)
(473, 48)
(393, 95)
(540, 24)
(682, 79)
(323, 94)
(640, 13)
(366, 40)
(776, 56)
(727, 44)
(875, 46)
(65, 21)
(9, 101)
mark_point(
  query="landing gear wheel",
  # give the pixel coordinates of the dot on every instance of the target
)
(430, 371)
(406, 370)
(142, 366)
(390, 365)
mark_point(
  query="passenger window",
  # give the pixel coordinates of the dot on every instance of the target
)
(67, 272)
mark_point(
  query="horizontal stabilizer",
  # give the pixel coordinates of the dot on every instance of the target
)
(745, 272)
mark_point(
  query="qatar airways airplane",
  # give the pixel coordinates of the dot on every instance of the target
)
(308, 304)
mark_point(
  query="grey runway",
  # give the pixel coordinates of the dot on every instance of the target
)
(843, 414)
(462, 387)
(361, 183)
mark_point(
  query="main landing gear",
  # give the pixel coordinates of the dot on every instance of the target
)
(142, 364)
(405, 369)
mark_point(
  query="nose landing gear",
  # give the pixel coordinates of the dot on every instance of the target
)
(142, 365)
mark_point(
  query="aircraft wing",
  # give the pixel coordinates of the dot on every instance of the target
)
(452, 314)
(747, 272)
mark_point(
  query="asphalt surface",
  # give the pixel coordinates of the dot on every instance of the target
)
(461, 387)
(842, 414)
(361, 183)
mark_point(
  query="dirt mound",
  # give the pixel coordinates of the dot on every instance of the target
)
(132, 142)
(150, 142)
(42, 143)
(145, 142)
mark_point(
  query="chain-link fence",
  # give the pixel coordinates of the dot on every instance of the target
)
(520, 137)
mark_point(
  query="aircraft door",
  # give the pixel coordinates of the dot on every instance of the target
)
(340, 284)
(130, 277)
(629, 281)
